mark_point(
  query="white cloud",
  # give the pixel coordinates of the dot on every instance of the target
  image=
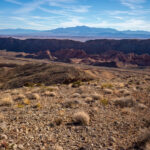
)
(71, 23)
(80, 9)
(133, 4)
(28, 7)
(69, 13)
(63, 5)
(131, 24)
(14, 2)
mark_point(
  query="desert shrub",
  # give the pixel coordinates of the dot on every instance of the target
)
(71, 103)
(39, 84)
(148, 89)
(104, 101)
(19, 105)
(58, 121)
(144, 138)
(76, 84)
(145, 135)
(52, 88)
(29, 84)
(125, 102)
(81, 118)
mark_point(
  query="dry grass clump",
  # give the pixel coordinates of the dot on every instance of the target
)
(144, 139)
(20, 97)
(1, 117)
(121, 85)
(125, 92)
(96, 96)
(6, 101)
(106, 85)
(125, 102)
(147, 147)
(141, 106)
(108, 91)
(76, 84)
(72, 103)
(26, 101)
(126, 111)
(37, 106)
(14, 92)
(57, 147)
(84, 95)
(29, 84)
(104, 101)
(88, 99)
(52, 88)
(51, 94)
(145, 135)
(148, 89)
(81, 118)
(76, 95)
(58, 121)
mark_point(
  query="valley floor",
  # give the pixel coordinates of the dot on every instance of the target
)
(111, 112)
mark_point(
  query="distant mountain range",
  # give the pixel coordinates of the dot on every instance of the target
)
(79, 31)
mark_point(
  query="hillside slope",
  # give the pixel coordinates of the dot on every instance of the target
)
(109, 113)
(47, 74)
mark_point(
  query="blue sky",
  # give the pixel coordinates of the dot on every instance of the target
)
(51, 14)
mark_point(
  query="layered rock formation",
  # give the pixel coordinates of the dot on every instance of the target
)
(97, 52)
(90, 47)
